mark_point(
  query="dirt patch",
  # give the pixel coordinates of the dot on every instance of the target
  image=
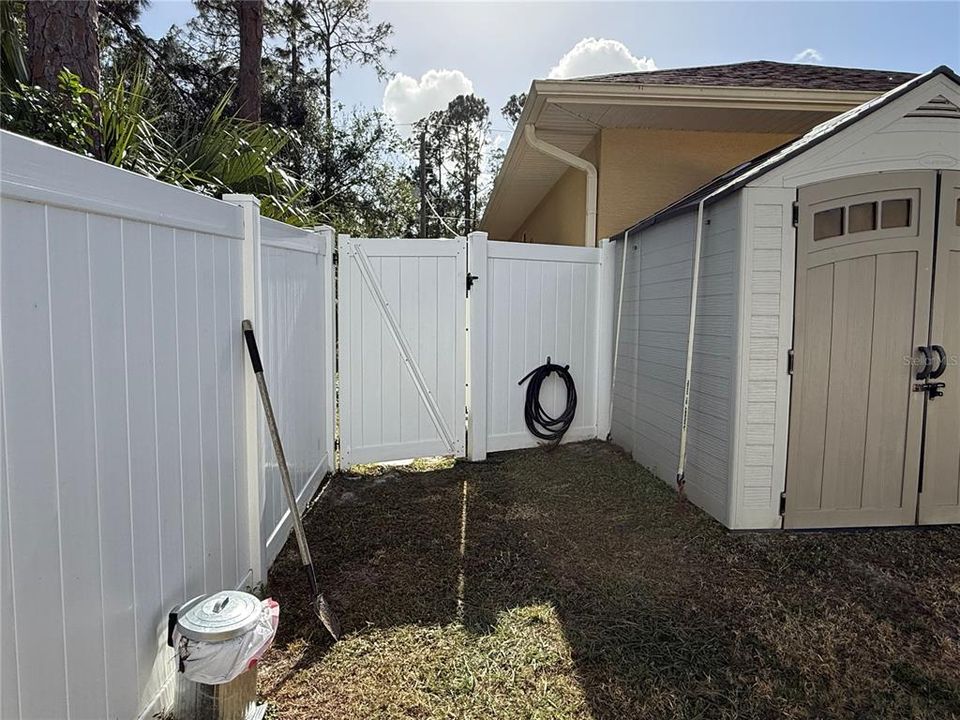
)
(584, 591)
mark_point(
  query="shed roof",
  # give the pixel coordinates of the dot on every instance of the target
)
(765, 73)
(735, 178)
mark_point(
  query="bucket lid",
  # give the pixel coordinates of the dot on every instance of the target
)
(221, 616)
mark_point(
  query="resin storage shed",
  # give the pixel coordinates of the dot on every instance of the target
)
(825, 374)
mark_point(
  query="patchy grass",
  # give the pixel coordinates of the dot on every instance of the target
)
(581, 589)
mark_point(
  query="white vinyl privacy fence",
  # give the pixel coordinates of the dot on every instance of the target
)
(135, 468)
(133, 473)
(527, 303)
(435, 335)
(296, 334)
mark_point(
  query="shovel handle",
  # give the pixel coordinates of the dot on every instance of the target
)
(252, 350)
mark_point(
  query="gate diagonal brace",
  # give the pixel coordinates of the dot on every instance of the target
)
(363, 263)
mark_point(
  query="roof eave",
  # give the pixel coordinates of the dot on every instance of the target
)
(543, 91)
(531, 110)
(797, 147)
(712, 95)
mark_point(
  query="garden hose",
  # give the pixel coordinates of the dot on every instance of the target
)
(539, 422)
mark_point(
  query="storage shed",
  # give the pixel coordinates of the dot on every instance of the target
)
(824, 378)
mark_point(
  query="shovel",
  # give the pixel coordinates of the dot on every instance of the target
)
(320, 606)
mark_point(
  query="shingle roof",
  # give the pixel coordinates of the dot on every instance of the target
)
(737, 177)
(765, 73)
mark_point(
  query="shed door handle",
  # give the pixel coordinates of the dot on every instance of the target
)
(924, 372)
(942, 367)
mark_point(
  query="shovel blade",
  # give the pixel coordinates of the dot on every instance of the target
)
(327, 616)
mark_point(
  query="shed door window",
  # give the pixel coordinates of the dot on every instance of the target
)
(828, 223)
(857, 220)
(863, 217)
(895, 213)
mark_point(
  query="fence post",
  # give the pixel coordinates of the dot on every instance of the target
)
(477, 342)
(252, 310)
(345, 268)
(605, 332)
(328, 237)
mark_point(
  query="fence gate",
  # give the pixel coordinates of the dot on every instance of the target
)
(402, 348)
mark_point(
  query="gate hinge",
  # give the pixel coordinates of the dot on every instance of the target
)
(790, 361)
(795, 219)
(783, 502)
(470, 280)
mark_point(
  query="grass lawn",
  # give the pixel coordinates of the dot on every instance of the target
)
(579, 588)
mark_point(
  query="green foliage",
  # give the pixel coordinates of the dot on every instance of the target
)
(13, 56)
(220, 154)
(513, 108)
(455, 141)
(225, 154)
(61, 118)
(164, 110)
(129, 138)
(356, 176)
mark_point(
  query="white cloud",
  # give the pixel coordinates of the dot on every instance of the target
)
(407, 99)
(592, 56)
(488, 173)
(808, 57)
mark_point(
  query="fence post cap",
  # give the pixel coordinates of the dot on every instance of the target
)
(240, 198)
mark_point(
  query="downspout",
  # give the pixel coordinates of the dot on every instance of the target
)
(694, 291)
(590, 230)
(616, 335)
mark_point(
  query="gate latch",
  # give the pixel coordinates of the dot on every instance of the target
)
(470, 279)
(933, 389)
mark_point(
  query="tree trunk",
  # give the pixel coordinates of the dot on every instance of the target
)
(468, 227)
(250, 14)
(63, 34)
(328, 111)
(294, 45)
(327, 80)
(297, 113)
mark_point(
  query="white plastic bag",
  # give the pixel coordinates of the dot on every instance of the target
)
(216, 663)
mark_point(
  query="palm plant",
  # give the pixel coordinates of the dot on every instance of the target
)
(221, 154)
(129, 136)
(226, 154)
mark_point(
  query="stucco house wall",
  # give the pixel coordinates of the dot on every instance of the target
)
(640, 171)
(644, 170)
(559, 218)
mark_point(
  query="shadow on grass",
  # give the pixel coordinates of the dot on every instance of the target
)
(663, 612)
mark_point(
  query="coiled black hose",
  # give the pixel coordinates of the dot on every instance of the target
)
(539, 423)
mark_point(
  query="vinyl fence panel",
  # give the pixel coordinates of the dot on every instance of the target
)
(537, 301)
(125, 417)
(296, 333)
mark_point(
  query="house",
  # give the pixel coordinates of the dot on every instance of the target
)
(823, 372)
(591, 155)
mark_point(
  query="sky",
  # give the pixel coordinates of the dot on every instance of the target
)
(495, 49)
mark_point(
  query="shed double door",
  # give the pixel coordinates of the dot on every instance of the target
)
(878, 276)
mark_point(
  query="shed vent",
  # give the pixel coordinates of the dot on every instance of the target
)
(938, 107)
